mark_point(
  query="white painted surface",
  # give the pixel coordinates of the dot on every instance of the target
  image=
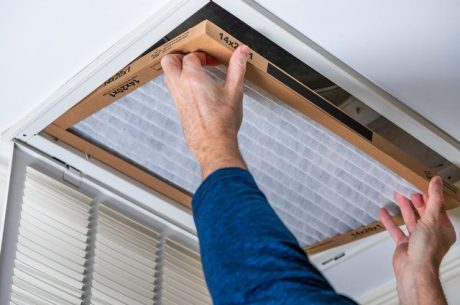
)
(411, 49)
(46, 43)
(5, 149)
(4, 162)
(451, 291)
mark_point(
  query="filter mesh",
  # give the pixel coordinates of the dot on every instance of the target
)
(183, 281)
(125, 260)
(319, 184)
(50, 256)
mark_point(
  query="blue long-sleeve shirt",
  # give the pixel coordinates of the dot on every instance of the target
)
(248, 254)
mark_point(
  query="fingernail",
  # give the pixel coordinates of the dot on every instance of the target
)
(438, 181)
(245, 51)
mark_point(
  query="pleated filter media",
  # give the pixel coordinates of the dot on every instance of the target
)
(318, 183)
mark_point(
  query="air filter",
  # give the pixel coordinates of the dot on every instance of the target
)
(125, 260)
(182, 280)
(319, 184)
(52, 241)
(325, 174)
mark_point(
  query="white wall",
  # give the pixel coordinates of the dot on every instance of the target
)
(4, 160)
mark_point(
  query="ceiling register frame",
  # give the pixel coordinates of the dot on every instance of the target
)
(209, 38)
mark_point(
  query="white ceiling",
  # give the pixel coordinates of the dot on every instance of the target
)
(411, 49)
(46, 43)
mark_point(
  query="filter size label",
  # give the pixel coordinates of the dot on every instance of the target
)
(367, 230)
(119, 74)
(123, 87)
(228, 40)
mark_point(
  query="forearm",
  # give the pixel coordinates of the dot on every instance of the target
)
(222, 153)
(430, 292)
(424, 289)
(249, 256)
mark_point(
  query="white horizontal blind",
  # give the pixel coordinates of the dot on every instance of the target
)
(318, 183)
(125, 261)
(52, 243)
(182, 279)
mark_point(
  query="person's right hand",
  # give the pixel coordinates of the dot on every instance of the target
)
(210, 112)
(418, 256)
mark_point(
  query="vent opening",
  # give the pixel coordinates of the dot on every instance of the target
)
(319, 146)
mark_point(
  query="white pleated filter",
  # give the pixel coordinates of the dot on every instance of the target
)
(52, 243)
(182, 278)
(125, 261)
(318, 183)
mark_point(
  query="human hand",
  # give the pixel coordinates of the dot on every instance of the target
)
(418, 256)
(210, 113)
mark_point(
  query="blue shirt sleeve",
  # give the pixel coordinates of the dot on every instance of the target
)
(248, 254)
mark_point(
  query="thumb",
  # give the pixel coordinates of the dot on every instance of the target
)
(237, 68)
(435, 198)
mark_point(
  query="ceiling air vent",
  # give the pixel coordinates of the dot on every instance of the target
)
(325, 173)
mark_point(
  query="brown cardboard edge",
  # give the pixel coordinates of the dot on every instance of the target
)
(208, 41)
(379, 148)
(129, 78)
(120, 165)
(351, 236)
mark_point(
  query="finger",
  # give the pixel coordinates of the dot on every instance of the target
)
(211, 61)
(407, 212)
(445, 220)
(425, 197)
(172, 65)
(395, 232)
(194, 61)
(237, 68)
(419, 203)
(401, 248)
(435, 198)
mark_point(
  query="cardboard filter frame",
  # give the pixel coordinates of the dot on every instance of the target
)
(209, 38)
